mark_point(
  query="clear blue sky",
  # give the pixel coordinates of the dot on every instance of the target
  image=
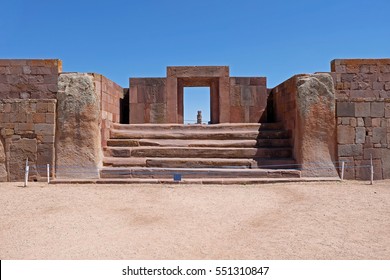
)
(122, 39)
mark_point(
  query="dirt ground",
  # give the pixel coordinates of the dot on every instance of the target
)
(349, 220)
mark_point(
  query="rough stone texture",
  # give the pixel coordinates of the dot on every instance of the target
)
(110, 94)
(29, 78)
(23, 135)
(3, 163)
(316, 125)
(248, 100)
(305, 104)
(362, 83)
(78, 135)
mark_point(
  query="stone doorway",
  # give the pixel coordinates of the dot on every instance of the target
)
(196, 99)
(211, 83)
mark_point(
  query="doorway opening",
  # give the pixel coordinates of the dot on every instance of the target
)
(196, 99)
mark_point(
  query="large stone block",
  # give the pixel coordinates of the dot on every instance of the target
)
(362, 109)
(315, 137)
(21, 150)
(379, 135)
(377, 109)
(78, 147)
(360, 135)
(345, 134)
(363, 169)
(350, 150)
(345, 109)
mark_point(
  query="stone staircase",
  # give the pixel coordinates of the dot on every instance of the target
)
(150, 151)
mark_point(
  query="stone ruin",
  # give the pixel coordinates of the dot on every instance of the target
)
(88, 128)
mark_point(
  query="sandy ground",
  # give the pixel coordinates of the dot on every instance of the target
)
(349, 220)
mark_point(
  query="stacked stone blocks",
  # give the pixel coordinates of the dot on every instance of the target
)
(110, 95)
(27, 128)
(363, 116)
(29, 79)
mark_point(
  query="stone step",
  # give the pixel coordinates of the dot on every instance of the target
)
(276, 163)
(200, 163)
(199, 135)
(201, 127)
(199, 152)
(179, 162)
(199, 143)
(202, 181)
(186, 173)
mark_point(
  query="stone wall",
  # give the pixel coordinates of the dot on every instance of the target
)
(27, 131)
(110, 96)
(29, 78)
(363, 115)
(148, 102)
(232, 99)
(248, 99)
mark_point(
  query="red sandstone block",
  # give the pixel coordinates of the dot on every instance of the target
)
(39, 117)
(385, 77)
(384, 68)
(345, 134)
(237, 114)
(41, 107)
(50, 79)
(52, 88)
(3, 118)
(4, 88)
(23, 127)
(35, 79)
(258, 81)
(363, 172)
(41, 70)
(137, 113)
(44, 129)
(50, 118)
(51, 107)
(364, 94)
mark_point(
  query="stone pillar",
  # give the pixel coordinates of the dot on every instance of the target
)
(78, 147)
(315, 135)
(171, 92)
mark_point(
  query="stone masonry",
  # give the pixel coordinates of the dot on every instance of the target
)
(363, 115)
(27, 131)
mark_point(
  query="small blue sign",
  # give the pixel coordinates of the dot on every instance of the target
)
(176, 177)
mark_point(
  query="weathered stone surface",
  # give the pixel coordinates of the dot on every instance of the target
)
(362, 109)
(345, 109)
(3, 168)
(360, 135)
(78, 147)
(377, 109)
(386, 163)
(350, 150)
(20, 150)
(379, 135)
(345, 134)
(316, 125)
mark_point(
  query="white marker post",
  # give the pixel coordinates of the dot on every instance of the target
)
(48, 173)
(372, 170)
(26, 173)
(342, 170)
